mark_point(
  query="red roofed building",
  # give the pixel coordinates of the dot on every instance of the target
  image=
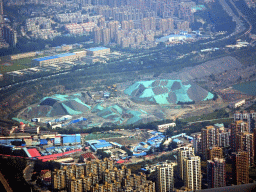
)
(55, 156)
(122, 161)
(34, 152)
(84, 157)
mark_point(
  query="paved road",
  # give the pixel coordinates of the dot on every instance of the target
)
(208, 120)
(5, 183)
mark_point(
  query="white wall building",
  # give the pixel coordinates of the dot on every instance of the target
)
(183, 153)
(165, 180)
(192, 173)
(163, 127)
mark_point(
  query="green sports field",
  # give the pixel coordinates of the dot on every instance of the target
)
(14, 65)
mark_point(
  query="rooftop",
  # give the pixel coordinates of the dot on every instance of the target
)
(97, 48)
(54, 57)
(88, 155)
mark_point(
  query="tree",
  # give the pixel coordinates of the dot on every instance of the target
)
(172, 145)
(169, 132)
(161, 147)
(103, 154)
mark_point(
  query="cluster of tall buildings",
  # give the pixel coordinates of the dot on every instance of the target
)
(131, 33)
(211, 136)
(40, 27)
(99, 176)
(129, 23)
(189, 168)
(146, 8)
(211, 144)
(124, 13)
(239, 138)
(242, 139)
(83, 28)
(76, 17)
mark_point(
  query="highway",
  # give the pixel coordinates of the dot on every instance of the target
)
(189, 123)
(5, 183)
(242, 16)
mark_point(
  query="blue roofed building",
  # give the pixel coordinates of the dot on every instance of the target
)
(98, 51)
(98, 144)
(175, 37)
(54, 59)
(177, 141)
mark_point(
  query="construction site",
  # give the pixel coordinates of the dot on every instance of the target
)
(143, 100)
(139, 102)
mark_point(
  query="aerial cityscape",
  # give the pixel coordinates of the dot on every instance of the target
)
(127, 95)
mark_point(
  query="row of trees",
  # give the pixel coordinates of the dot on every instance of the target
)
(150, 125)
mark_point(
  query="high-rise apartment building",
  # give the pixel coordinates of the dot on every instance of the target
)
(125, 25)
(106, 36)
(113, 26)
(119, 36)
(58, 179)
(75, 185)
(192, 173)
(183, 153)
(224, 138)
(131, 24)
(101, 22)
(145, 24)
(9, 35)
(210, 138)
(216, 173)
(97, 37)
(163, 25)
(197, 141)
(183, 26)
(248, 117)
(1, 13)
(185, 11)
(165, 179)
(240, 167)
(215, 152)
(86, 2)
(237, 128)
(139, 38)
(152, 23)
(125, 42)
(170, 24)
(245, 142)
